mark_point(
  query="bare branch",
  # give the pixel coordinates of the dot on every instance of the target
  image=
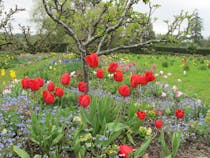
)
(9, 15)
(64, 25)
(130, 46)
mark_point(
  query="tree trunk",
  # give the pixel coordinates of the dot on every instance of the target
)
(85, 71)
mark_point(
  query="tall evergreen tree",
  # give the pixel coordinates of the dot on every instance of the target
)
(196, 28)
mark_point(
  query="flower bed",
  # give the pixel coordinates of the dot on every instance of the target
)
(122, 119)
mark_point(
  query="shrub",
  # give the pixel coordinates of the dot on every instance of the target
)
(165, 64)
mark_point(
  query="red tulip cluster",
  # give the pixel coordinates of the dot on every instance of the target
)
(33, 84)
(84, 99)
(138, 79)
(50, 94)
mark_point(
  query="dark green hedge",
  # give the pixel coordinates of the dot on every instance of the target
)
(172, 50)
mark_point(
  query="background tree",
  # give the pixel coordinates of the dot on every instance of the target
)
(95, 23)
(7, 37)
(196, 27)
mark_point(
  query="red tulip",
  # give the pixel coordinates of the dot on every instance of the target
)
(41, 82)
(113, 67)
(65, 79)
(34, 85)
(49, 99)
(45, 93)
(59, 92)
(84, 100)
(141, 115)
(124, 151)
(124, 90)
(158, 124)
(25, 82)
(118, 76)
(51, 86)
(209, 65)
(149, 76)
(82, 86)
(100, 73)
(179, 113)
(143, 80)
(92, 60)
(135, 80)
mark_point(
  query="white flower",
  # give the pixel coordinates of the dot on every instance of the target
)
(161, 72)
(163, 94)
(110, 75)
(7, 91)
(179, 94)
(24, 92)
(15, 81)
(73, 73)
(169, 74)
(179, 80)
(156, 75)
(94, 72)
(184, 72)
(175, 88)
(165, 76)
(166, 85)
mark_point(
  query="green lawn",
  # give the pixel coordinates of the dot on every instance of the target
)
(195, 83)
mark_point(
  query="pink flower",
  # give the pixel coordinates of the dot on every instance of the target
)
(154, 67)
(178, 94)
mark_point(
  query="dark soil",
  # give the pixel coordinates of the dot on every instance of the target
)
(193, 149)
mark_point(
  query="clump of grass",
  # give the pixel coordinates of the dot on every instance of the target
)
(165, 64)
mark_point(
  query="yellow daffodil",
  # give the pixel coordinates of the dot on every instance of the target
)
(3, 72)
(12, 74)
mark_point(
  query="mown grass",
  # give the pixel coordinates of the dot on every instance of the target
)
(196, 81)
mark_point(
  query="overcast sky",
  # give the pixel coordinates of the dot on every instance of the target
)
(166, 11)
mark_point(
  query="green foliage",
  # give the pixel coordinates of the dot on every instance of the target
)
(23, 154)
(141, 150)
(101, 112)
(164, 64)
(175, 143)
(45, 133)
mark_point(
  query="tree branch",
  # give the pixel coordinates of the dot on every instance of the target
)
(130, 46)
(5, 20)
(64, 25)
